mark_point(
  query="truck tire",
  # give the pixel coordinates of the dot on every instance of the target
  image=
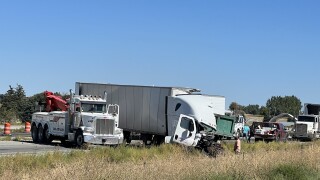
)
(40, 134)
(64, 142)
(79, 139)
(257, 139)
(47, 136)
(34, 133)
(127, 137)
(128, 140)
(158, 140)
(147, 139)
(214, 150)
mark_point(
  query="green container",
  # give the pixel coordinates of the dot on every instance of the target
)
(225, 125)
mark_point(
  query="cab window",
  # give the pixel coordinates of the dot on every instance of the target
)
(187, 124)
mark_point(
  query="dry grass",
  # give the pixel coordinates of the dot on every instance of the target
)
(265, 161)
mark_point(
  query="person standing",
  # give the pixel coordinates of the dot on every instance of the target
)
(237, 145)
(246, 132)
(251, 134)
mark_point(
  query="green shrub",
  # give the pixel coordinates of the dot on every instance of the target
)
(5, 138)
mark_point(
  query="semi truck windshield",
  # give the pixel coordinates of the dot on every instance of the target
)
(97, 108)
(306, 119)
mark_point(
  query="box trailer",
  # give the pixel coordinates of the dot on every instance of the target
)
(174, 114)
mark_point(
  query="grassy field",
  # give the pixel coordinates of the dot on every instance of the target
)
(257, 161)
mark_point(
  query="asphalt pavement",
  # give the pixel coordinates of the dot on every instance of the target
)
(13, 127)
(28, 147)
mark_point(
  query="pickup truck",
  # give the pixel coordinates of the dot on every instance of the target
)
(269, 131)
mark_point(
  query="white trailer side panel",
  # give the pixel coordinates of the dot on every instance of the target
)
(142, 108)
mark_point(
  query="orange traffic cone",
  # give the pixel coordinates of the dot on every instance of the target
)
(7, 128)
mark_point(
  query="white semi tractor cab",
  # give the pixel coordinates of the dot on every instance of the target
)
(307, 125)
(83, 119)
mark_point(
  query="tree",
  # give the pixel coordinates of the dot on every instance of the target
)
(287, 104)
(252, 109)
(264, 111)
(236, 108)
(13, 104)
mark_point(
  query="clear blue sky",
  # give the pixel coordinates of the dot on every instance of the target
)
(246, 51)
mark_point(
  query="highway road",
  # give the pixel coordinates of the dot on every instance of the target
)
(13, 127)
(27, 147)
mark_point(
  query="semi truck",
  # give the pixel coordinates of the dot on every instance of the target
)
(79, 120)
(307, 125)
(162, 114)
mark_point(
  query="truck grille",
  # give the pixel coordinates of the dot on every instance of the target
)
(104, 126)
(301, 129)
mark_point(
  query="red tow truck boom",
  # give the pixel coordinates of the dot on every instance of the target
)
(55, 102)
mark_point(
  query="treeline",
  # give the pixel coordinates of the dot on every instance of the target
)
(16, 106)
(274, 106)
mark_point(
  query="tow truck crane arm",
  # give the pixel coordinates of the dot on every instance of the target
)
(55, 102)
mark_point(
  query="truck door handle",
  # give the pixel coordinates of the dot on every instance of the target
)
(190, 134)
(176, 137)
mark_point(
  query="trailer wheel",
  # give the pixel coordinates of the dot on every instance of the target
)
(34, 133)
(158, 140)
(79, 139)
(147, 139)
(47, 136)
(40, 134)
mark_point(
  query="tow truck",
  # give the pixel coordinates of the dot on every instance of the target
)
(80, 119)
